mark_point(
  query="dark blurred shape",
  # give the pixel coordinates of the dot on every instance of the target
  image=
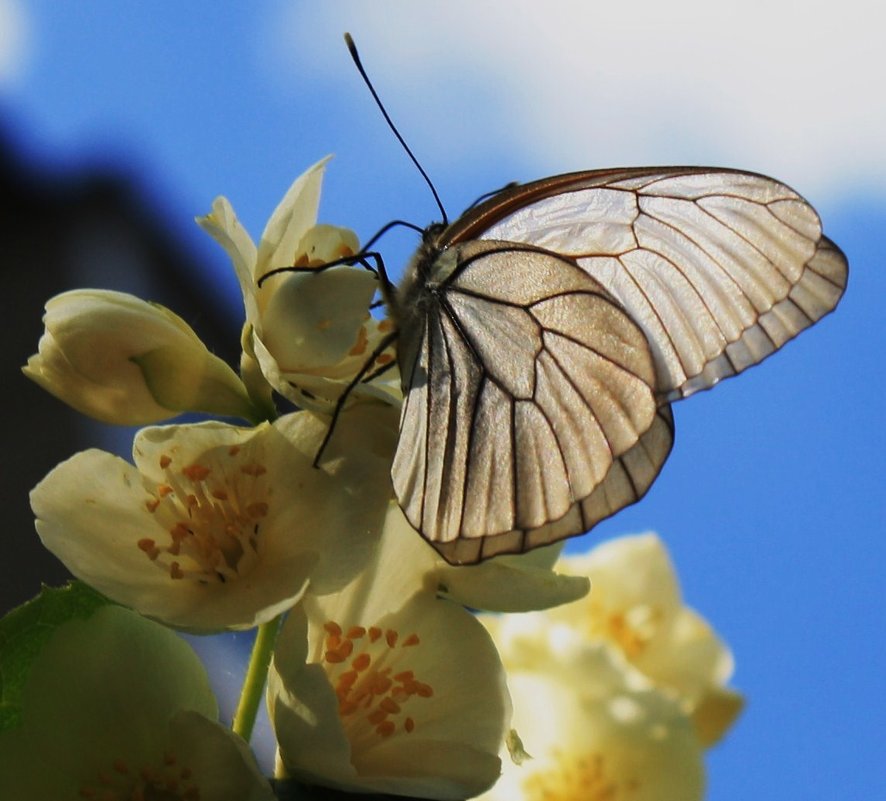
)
(61, 231)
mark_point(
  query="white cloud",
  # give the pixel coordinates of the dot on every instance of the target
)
(14, 41)
(788, 88)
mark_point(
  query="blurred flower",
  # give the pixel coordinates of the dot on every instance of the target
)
(591, 726)
(635, 605)
(123, 360)
(308, 331)
(217, 526)
(385, 687)
(617, 694)
(119, 707)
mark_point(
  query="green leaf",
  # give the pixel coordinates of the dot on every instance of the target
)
(25, 630)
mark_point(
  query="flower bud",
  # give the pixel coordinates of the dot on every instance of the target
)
(122, 360)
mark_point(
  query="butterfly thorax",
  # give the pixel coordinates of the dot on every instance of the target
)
(418, 291)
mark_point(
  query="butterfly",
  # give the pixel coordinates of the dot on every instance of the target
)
(543, 335)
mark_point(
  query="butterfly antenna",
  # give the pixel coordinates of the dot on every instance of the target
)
(356, 57)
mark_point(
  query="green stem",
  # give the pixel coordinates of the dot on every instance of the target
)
(256, 674)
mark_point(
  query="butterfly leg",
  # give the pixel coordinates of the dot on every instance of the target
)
(362, 374)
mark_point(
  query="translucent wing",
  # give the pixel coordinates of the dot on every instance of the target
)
(529, 399)
(719, 268)
(627, 481)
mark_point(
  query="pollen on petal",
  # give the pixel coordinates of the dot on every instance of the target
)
(196, 472)
(347, 679)
(256, 510)
(368, 692)
(361, 662)
(179, 532)
(148, 545)
(255, 469)
(362, 341)
(341, 653)
(347, 707)
(165, 461)
(389, 705)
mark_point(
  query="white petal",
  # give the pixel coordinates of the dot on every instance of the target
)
(291, 219)
(219, 526)
(423, 650)
(224, 227)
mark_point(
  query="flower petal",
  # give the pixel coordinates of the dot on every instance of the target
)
(220, 764)
(503, 584)
(635, 611)
(394, 688)
(312, 319)
(718, 709)
(218, 526)
(132, 699)
(224, 227)
(292, 218)
(595, 729)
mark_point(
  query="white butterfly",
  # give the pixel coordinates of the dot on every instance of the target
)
(543, 335)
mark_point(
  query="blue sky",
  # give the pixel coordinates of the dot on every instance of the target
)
(772, 502)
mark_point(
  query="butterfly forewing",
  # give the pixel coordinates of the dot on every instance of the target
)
(703, 260)
(527, 382)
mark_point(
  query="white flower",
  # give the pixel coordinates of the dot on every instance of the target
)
(385, 687)
(309, 331)
(217, 526)
(635, 604)
(591, 725)
(123, 360)
(117, 707)
(503, 584)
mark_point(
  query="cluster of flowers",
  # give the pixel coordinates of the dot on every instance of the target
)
(382, 678)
